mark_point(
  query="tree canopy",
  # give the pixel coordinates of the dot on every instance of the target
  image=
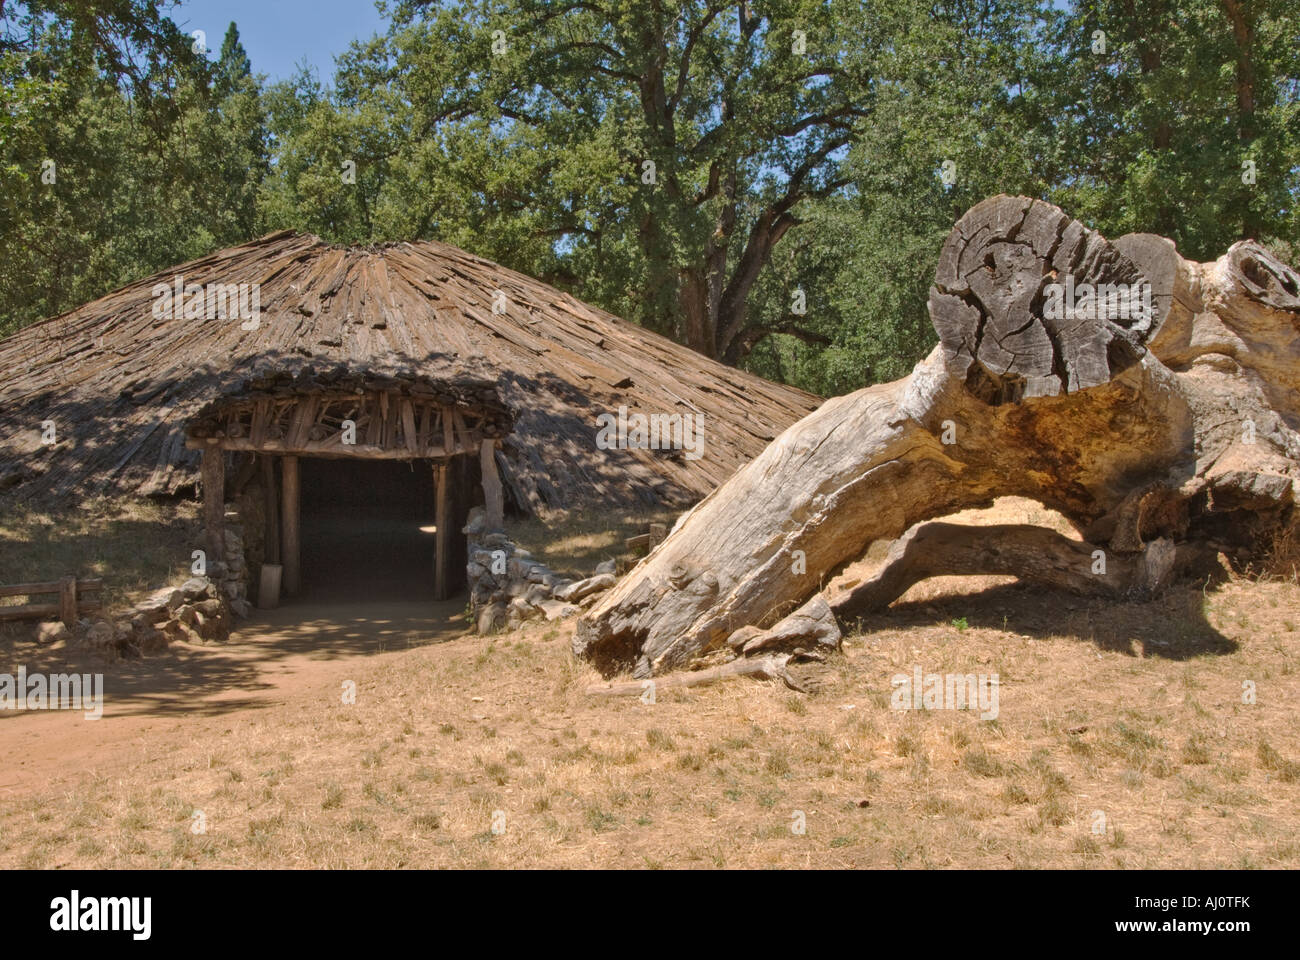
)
(767, 182)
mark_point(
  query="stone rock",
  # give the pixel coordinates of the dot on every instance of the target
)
(101, 635)
(178, 632)
(492, 618)
(196, 587)
(211, 628)
(557, 609)
(52, 631)
(151, 640)
(606, 566)
(521, 607)
(159, 605)
(475, 522)
(241, 608)
(584, 588)
(211, 608)
(537, 593)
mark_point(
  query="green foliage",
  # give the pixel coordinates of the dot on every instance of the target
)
(809, 157)
(110, 173)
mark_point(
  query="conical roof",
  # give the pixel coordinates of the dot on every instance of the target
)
(121, 377)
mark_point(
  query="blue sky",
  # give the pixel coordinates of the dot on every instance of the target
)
(279, 34)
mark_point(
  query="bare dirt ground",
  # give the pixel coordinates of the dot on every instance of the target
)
(272, 660)
(1128, 735)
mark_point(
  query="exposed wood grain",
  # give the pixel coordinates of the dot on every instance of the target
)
(494, 500)
(290, 525)
(772, 667)
(443, 541)
(1080, 416)
(214, 501)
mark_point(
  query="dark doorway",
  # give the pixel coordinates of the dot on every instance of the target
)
(367, 529)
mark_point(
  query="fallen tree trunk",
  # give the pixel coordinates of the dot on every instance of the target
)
(1064, 406)
(1034, 554)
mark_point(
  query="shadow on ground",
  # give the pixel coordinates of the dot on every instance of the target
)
(1172, 626)
(264, 659)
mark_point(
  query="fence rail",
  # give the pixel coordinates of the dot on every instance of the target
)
(71, 599)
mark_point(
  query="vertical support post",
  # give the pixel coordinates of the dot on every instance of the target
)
(272, 509)
(442, 547)
(290, 555)
(493, 499)
(213, 476)
(68, 601)
(448, 432)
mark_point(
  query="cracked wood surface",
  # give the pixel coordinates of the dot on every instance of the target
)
(1077, 414)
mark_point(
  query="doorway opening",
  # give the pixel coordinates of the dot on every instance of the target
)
(369, 528)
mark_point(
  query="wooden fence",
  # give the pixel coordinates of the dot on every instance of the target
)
(71, 600)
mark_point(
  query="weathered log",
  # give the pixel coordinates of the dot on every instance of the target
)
(813, 624)
(1068, 408)
(1034, 554)
(988, 303)
(772, 667)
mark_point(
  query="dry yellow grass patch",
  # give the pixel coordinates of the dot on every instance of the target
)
(1122, 741)
(135, 545)
(573, 543)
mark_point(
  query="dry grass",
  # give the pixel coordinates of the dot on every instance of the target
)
(572, 544)
(1122, 741)
(1283, 560)
(135, 545)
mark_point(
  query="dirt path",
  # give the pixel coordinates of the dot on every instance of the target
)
(279, 656)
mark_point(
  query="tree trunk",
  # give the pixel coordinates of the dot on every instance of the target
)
(1073, 412)
(1034, 554)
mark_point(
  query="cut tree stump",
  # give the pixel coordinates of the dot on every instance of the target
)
(1081, 413)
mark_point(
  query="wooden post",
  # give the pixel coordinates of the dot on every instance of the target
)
(291, 556)
(494, 504)
(442, 544)
(68, 601)
(213, 475)
(272, 510)
(448, 432)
